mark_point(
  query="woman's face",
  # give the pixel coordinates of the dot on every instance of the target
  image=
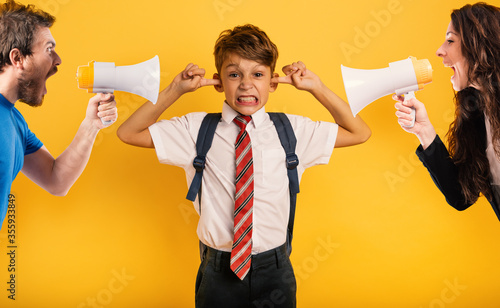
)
(451, 52)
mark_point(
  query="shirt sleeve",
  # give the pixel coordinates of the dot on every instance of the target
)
(33, 144)
(315, 140)
(443, 172)
(175, 139)
(30, 141)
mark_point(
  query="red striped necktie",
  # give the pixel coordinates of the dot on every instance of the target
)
(241, 254)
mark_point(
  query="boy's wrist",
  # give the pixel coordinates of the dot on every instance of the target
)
(171, 92)
(320, 89)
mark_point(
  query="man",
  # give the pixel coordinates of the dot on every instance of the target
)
(27, 60)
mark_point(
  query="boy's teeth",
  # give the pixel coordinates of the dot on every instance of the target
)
(247, 99)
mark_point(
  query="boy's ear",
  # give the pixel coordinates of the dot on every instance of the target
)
(218, 87)
(274, 85)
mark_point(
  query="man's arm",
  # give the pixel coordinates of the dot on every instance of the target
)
(352, 130)
(135, 130)
(58, 175)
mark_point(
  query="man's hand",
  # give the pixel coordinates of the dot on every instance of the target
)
(102, 107)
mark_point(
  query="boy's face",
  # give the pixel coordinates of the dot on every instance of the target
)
(246, 84)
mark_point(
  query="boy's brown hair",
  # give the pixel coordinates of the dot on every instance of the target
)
(18, 26)
(249, 42)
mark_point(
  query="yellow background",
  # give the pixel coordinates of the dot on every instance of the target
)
(394, 242)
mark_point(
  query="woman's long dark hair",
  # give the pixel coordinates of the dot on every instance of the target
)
(479, 28)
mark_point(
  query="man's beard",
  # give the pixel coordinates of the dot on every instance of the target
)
(30, 87)
(28, 92)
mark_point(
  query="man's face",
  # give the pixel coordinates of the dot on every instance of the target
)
(38, 68)
(246, 84)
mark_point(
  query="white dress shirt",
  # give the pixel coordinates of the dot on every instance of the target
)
(494, 163)
(175, 144)
(492, 157)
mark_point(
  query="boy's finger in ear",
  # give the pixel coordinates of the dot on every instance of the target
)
(283, 79)
(211, 82)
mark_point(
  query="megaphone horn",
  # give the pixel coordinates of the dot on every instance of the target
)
(142, 79)
(401, 77)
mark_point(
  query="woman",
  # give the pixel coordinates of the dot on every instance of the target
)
(472, 50)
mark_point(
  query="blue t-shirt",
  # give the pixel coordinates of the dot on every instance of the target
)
(17, 141)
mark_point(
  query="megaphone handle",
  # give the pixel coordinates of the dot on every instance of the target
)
(409, 96)
(106, 123)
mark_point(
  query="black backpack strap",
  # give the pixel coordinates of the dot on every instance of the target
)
(288, 141)
(203, 144)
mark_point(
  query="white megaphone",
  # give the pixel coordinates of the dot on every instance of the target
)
(401, 77)
(142, 79)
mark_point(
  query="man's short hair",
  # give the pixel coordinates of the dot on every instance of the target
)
(18, 26)
(249, 42)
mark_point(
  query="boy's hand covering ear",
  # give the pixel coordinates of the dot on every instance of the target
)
(299, 76)
(193, 78)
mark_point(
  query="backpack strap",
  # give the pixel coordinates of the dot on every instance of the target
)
(203, 144)
(288, 141)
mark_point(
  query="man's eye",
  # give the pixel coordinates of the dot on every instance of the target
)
(259, 75)
(233, 75)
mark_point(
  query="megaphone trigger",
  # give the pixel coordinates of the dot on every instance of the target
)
(409, 96)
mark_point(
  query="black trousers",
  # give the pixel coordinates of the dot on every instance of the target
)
(269, 284)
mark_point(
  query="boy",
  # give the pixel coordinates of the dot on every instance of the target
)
(245, 59)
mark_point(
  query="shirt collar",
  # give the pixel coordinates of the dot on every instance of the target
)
(228, 115)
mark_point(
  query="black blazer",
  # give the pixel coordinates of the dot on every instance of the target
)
(444, 173)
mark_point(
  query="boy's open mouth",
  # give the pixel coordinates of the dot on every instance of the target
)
(248, 100)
